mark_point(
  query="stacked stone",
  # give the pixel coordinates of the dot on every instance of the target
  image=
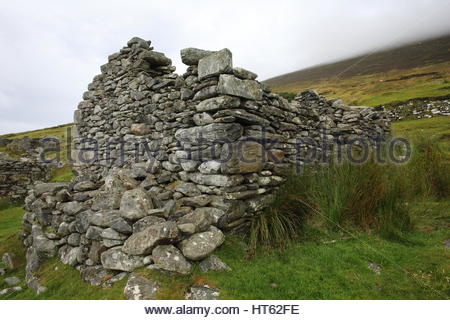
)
(17, 175)
(135, 98)
(218, 144)
(326, 123)
(419, 109)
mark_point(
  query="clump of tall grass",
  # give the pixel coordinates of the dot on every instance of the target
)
(345, 196)
(429, 169)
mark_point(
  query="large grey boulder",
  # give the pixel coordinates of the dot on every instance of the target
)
(135, 204)
(215, 64)
(140, 288)
(116, 259)
(242, 73)
(144, 242)
(191, 56)
(169, 258)
(248, 89)
(201, 245)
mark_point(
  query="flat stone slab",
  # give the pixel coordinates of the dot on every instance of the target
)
(248, 89)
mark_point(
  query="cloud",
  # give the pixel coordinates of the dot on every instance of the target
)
(51, 50)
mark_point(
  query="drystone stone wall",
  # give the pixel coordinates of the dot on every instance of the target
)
(419, 109)
(17, 175)
(168, 164)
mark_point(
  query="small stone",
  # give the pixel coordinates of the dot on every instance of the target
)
(203, 293)
(10, 260)
(169, 258)
(146, 222)
(141, 288)
(202, 119)
(12, 281)
(215, 64)
(218, 103)
(84, 186)
(188, 189)
(135, 204)
(191, 56)
(140, 129)
(188, 228)
(213, 263)
(242, 73)
(375, 268)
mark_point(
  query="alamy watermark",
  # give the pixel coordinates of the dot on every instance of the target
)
(307, 150)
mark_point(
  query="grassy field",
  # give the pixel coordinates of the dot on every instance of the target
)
(321, 264)
(380, 88)
(418, 70)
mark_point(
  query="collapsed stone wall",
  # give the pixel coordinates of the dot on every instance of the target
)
(213, 145)
(17, 175)
(419, 109)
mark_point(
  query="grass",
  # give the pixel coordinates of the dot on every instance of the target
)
(437, 128)
(379, 88)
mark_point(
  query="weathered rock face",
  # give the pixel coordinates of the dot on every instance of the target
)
(180, 161)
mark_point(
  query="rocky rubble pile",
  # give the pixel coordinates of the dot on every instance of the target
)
(419, 109)
(167, 164)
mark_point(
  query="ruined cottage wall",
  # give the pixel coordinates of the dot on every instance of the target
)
(219, 144)
(18, 175)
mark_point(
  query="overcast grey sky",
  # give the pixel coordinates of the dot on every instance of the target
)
(50, 50)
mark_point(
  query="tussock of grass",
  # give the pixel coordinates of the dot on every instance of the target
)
(346, 196)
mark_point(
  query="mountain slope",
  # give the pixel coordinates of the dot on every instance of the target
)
(420, 69)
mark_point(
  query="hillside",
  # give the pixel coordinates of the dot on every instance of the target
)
(416, 70)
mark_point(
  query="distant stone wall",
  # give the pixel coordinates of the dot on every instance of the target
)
(419, 109)
(17, 176)
(214, 146)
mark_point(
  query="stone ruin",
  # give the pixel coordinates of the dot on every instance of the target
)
(167, 164)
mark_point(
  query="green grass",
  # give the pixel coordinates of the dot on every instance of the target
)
(429, 89)
(63, 174)
(437, 128)
(378, 88)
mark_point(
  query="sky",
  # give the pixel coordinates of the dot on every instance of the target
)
(51, 50)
